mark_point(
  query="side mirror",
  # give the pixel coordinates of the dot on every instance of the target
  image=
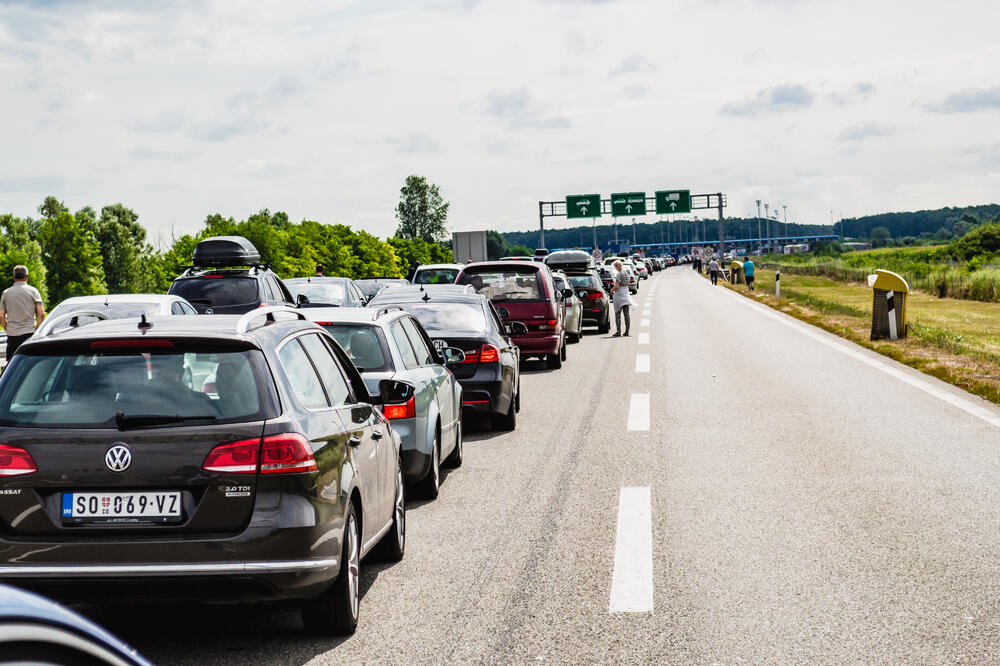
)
(567, 293)
(503, 312)
(302, 299)
(452, 355)
(516, 328)
(394, 392)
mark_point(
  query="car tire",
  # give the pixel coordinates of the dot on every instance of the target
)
(429, 486)
(506, 421)
(455, 458)
(605, 326)
(574, 337)
(393, 545)
(335, 612)
(517, 398)
(562, 351)
(553, 361)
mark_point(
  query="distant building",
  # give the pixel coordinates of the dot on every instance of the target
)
(857, 246)
(793, 249)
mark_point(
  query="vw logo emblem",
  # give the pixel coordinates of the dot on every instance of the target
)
(118, 458)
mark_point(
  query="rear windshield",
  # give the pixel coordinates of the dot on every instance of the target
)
(319, 292)
(508, 284)
(435, 276)
(89, 390)
(460, 318)
(371, 287)
(364, 344)
(217, 291)
(584, 281)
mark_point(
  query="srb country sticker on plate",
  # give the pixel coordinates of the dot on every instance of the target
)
(122, 507)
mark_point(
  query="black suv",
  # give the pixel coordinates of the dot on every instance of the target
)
(218, 458)
(214, 286)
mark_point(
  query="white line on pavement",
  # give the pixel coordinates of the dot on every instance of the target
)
(644, 338)
(646, 312)
(643, 322)
(956, 401)
(642, 362)
(638, 412)
(632, 580)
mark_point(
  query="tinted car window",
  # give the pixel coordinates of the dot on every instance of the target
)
(302, 376)
(424, 354)
(333, 379)
(436, 276)
(590, 281)
(217, 291)
(320, 292)
(508, 284)
(405, 349)
(449, 317)
(87, 390)
(364, 344)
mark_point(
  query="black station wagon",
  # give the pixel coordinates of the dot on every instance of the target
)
(222, 458)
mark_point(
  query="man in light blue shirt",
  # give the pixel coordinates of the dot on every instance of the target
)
(748, 272)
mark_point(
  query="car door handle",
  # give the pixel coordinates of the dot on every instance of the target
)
(376, 433)
(354, 440)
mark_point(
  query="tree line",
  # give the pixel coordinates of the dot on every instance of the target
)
(90, 252)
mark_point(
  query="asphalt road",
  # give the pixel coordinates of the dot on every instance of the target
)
(808, 501)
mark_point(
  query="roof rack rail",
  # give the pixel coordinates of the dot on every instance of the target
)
(48, 326)
(388, 308)
(268, 312)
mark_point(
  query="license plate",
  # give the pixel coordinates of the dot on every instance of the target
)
(157, 507)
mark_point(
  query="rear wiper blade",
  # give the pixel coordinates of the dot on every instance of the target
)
(123, 420)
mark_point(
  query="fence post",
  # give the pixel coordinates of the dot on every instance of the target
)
(777, 284)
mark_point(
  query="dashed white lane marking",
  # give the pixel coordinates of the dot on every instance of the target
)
(632, 580)
(646, 312)
(643, 322)
(965, 405)
(642, 362)
(644, 338)
(638, 413)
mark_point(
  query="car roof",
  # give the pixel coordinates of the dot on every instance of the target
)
(421, 289)
(318, 278)
(512, 264)
(423, 266)
(120, 298)
(354, 315)
(389, 297)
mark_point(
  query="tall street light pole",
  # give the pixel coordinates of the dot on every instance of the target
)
(784, 207)
(758, 226)
(767, 223)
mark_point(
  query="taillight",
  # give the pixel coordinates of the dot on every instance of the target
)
(548, 325)
(595, 295)
(408, 410)
(489, 354)
(286, 454)
(234, 458)
(15, 461)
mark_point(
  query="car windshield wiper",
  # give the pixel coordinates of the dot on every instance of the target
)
(123, 420)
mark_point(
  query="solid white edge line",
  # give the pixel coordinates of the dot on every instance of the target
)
(638, 413)
(642, 362)
(843, 347)
(632, 578)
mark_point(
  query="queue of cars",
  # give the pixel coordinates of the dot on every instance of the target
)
(261, 452)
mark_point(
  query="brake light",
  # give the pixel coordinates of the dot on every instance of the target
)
(408, 410)
(489, 354)
(15, 461)
(130, 344)
(234, 458)
(287, 453)
(595, 296)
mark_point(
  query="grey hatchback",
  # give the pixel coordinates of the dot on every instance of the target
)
(388, 343)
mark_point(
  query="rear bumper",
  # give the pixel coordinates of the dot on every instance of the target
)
(414, 464)
(538, 344)
(596, 316)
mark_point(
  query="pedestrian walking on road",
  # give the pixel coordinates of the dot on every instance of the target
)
(748, 272)
(21, 310)
(621, 299)
(713, 270)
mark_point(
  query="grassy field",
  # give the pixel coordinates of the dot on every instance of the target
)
(955, 340)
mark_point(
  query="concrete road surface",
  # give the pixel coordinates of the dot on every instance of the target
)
(726, 485)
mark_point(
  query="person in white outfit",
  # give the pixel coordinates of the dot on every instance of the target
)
(621, 299)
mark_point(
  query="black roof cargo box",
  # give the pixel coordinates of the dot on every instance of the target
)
(220, 251)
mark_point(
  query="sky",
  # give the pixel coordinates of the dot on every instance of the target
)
(322, 109)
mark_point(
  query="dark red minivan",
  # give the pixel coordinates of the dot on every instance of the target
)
(526, 291)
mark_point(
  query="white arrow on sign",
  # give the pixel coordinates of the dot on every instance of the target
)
(673, 206)
(583, 208)
(628, 208)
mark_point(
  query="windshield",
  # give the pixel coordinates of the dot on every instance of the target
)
(217, 291)
(88, 390)
(319, 292)
(112, 310)
(435, 276)
(364, 344)
(508, 284)
(461, 318)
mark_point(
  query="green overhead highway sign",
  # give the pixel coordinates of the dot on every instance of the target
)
(583, 205)
(673, 201)
(628, 204)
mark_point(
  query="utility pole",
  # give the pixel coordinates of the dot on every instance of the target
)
(784, 207)
(722, 228)
(758, 226)
(633, 231)
(767, 223)
(595, 233)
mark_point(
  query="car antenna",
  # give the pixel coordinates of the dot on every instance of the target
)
(426, 297)
(143, 324)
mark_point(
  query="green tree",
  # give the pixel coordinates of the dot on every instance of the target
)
(72, 258)
(18, 246)
(127, 257)
(51, 207)
(880, 236)
(421, 212)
